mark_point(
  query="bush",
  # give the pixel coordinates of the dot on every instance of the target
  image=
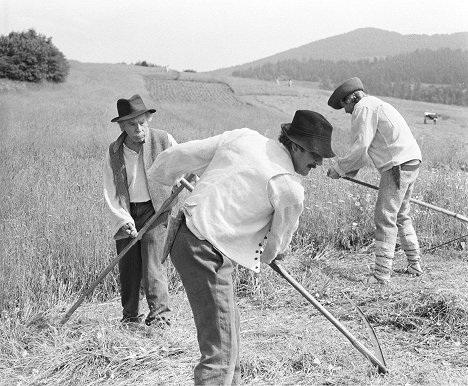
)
(29, 56)
(144, 63)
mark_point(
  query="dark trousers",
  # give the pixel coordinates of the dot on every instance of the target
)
(207, 278)
(143, 262)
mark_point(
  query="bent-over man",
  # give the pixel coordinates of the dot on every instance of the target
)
(244, 209)
(379, 132)
(132, 199)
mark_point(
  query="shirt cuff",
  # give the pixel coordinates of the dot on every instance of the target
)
(338, 169)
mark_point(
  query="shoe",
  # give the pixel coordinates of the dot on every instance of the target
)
(414, 269)
(157, 321)
(131, 319)
(372, 280)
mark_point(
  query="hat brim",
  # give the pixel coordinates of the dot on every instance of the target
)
(335, 101)
(313, 145)
(133, 115)
(346, 88)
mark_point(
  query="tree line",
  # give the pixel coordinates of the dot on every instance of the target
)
(438, 76)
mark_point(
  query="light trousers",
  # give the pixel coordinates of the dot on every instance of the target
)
(391, 217)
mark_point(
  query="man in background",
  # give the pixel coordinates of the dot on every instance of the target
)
(379, 132)
(132, 199)
(244, 209)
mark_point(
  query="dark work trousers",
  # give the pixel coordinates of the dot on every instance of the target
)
(143, 261)
(207, 278)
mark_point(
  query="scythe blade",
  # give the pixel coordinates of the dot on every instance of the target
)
(375, 342)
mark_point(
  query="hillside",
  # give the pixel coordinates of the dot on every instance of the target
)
(361, 43)
(56, 241)
(438, 76)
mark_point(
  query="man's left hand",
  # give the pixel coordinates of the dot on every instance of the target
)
(332, 173)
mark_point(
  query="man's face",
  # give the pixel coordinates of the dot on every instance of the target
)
(347, 105)
(303, 160)
(136, 128)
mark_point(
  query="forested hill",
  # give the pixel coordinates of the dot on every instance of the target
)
(360, 44)
(439, 76)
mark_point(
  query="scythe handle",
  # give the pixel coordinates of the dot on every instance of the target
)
(154, 218)
(418, 202)
(358, 345)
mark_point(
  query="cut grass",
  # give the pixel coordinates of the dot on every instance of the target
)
(421, 324)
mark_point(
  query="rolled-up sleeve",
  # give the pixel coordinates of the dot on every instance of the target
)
(286, 195)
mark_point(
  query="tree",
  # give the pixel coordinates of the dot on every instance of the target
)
(29, 56)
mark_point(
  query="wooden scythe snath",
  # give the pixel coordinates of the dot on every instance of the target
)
(379, 363)
(418, 202)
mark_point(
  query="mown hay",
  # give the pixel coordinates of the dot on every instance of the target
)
(439, 313)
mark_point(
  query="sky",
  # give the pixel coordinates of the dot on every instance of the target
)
(205, 35)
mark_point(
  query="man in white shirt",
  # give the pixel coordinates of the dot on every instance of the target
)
(379, 132)
(244, 209)
(132, 199)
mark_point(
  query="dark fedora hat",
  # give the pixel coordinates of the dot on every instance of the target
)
(311, 131)
(131, 108)
(342, 91)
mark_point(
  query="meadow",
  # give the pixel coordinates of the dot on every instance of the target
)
(56, 240)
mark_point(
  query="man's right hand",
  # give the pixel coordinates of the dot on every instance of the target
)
(332, 173)
(129, 228)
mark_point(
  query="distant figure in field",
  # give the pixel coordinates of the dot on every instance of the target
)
(289, 83)
(132, 199)
(244, 209)
(430, 116)
(380, 133)
(277, 82)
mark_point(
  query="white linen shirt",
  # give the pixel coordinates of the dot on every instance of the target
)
(285, 194)
(378, 132)
(137, 185)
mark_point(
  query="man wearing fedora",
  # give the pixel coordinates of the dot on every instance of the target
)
(244, 209)
(132, 199)
(380, 133)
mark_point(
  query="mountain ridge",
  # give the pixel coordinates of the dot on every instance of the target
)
(360, 43)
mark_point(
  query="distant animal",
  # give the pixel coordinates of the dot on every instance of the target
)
(430, 116)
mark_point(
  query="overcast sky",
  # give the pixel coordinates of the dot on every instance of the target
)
(205, 35)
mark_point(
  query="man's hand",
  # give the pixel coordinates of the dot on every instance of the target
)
(332, 173)
(279, 257)
(129, 228)
(352, 174)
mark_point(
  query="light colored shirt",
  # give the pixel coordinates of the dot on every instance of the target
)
(248, 200)
(378, 132)
(137, 185)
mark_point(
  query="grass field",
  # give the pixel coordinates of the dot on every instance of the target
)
(56, 240)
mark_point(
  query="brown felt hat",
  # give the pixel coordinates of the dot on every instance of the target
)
(131, 108)
(311, 131)
(346, 88)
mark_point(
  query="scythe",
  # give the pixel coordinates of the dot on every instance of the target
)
(153, 219)
(413, 200)
(378, 362)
